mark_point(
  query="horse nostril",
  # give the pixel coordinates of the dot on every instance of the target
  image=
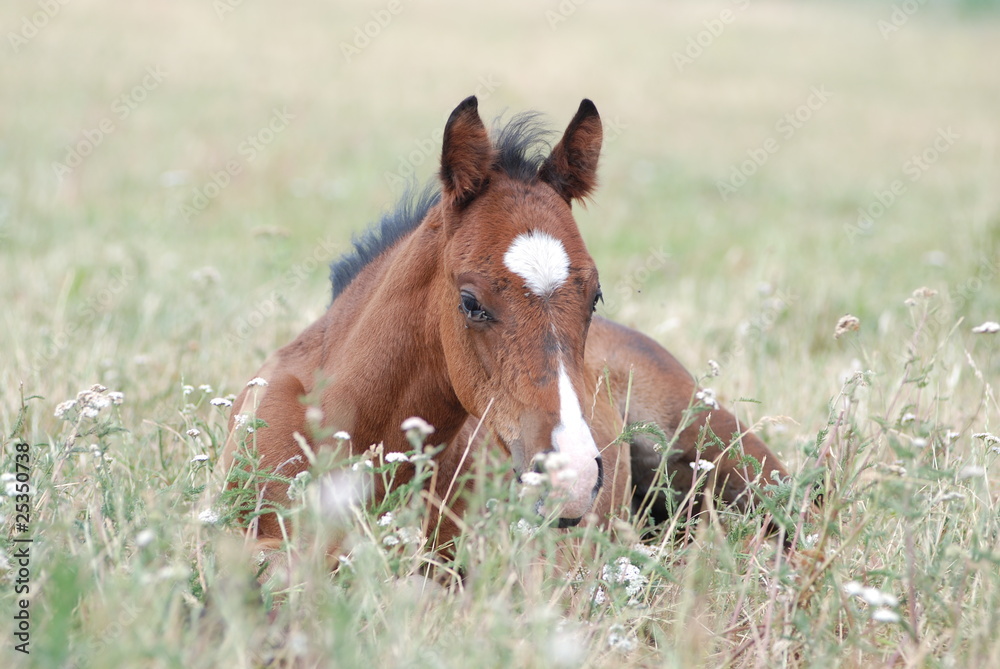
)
(600, 476)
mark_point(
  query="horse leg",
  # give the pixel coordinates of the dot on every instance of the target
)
(654, 387)
(273, 448)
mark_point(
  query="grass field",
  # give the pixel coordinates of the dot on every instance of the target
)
(175, 178)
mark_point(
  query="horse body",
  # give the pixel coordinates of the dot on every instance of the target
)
(481, 312)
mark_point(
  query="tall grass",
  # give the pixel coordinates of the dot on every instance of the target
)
(135, 560)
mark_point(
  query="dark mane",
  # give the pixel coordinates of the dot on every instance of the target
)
(521, 144)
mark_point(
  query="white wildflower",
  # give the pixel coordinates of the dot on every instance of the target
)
(988, 439)
(627, 574)
(707, 397)
(172, 572)
(713, 369)
(194, 432)
(65, 407)
(702, 465)
(564, 476)
(339, 493)
(417, 423)
(565, 648)
(918, 442)
(621, 640)
(871, 596)
(298, 644)
(810, 540)
(205, 388)
(951, 496)
(187, 390)
(877, 598)
(201, 457)
(853, 588)
(410, 535)
(989, 327)
(847, 323)
(144, 538)
(340, 435)
(396, 457)
(116, 397)
(598, 595)
(553, 461)
(386, 519)
(244, 421)
(209, 516)
(882, 615)
(206, 276)
(907, 418)
(971, 472)
(220, 402)
(257, 382)
(390, 540)
(533, 478)
(314, 415)
(523, 527)
(364, 464)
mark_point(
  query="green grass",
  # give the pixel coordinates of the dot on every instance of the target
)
(104, 280)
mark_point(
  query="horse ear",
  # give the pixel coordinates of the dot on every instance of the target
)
(571, 168)
(466, 153)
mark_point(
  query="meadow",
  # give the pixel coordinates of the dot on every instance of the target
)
(175, 178)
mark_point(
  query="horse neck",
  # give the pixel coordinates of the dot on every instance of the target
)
(391, 318)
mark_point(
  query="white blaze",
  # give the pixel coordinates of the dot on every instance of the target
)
(572, 438)
(540, 260)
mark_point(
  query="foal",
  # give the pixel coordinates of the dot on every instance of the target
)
(476, 305)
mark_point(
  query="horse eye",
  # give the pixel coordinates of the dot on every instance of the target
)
(472, 309)
(597, 298)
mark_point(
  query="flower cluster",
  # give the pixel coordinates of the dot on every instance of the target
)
(882, 603)
(89, 403)
(627, 574)
(707, 397)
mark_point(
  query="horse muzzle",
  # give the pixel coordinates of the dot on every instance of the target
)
(572, 487)
(565, 522)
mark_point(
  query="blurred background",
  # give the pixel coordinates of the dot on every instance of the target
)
(176, 176)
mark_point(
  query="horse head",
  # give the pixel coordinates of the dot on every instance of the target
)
(517, 293)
